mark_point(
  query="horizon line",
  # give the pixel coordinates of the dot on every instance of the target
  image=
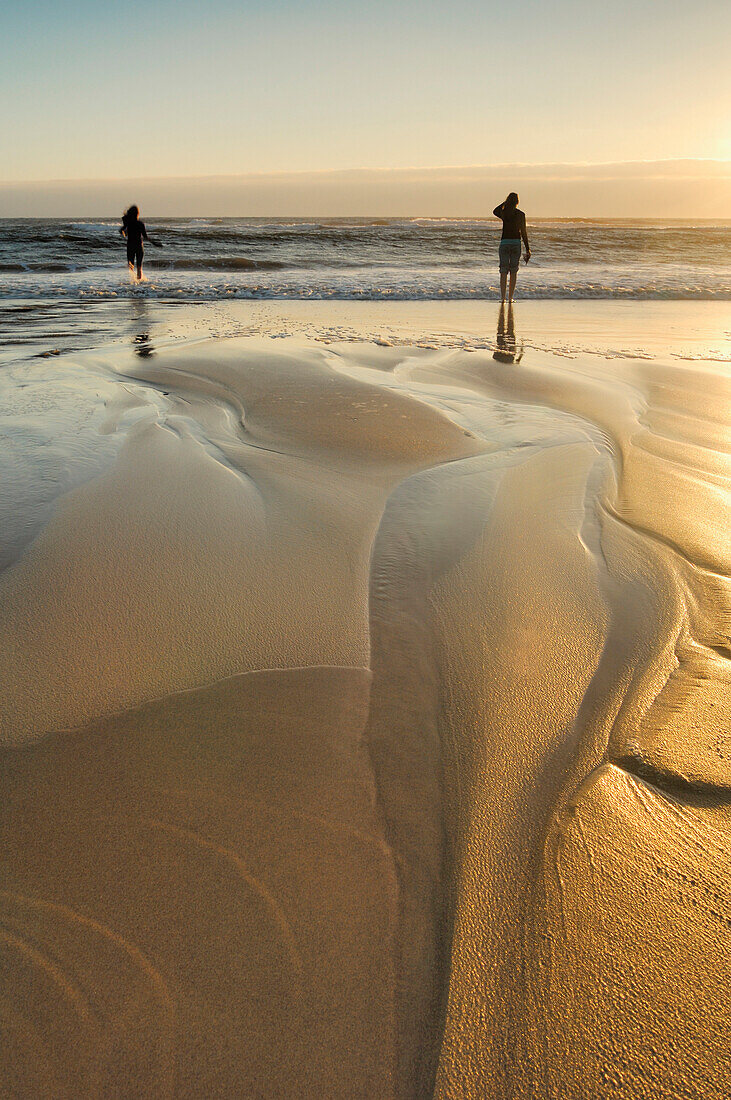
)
(364, 217)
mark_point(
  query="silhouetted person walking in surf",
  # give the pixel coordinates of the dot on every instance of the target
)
(134, 230)
(513, 229)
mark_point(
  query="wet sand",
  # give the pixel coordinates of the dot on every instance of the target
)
(365, 722)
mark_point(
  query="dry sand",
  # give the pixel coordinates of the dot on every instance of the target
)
(365, 725)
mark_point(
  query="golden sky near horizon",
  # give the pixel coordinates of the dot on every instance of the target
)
(161, 90)
(671, 189)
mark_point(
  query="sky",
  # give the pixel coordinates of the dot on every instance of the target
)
(175, 88)
(695, 189)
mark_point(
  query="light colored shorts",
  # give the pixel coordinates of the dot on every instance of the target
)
(509, 256)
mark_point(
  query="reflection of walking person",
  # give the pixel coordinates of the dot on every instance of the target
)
(134, 230)
(513, 229)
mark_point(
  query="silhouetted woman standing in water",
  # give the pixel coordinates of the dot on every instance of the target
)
(513, 229)
(134, 230)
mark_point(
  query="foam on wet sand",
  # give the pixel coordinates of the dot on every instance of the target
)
(364, 726)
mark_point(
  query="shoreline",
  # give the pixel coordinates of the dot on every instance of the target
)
(565, 327)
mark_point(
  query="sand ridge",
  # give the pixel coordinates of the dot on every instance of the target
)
(468, 833)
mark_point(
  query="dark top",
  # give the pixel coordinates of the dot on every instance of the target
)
(513, 223)
(135, 231)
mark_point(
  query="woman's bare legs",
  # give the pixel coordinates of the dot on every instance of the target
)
(503, 284)
(513, 281)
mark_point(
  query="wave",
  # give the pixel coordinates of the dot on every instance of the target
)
(55, 268)
(216, 263)
(206, 291)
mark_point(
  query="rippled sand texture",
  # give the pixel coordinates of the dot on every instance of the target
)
(365, 728)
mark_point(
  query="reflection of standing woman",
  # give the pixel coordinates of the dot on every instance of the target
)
(506, 346)
(134, 230)
(513, 229)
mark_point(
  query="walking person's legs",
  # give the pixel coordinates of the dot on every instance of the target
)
(134, 259)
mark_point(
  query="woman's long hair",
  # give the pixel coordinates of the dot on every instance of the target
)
(511, 202)
(130, 215)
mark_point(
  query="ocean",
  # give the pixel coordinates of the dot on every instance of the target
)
(364, 259)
